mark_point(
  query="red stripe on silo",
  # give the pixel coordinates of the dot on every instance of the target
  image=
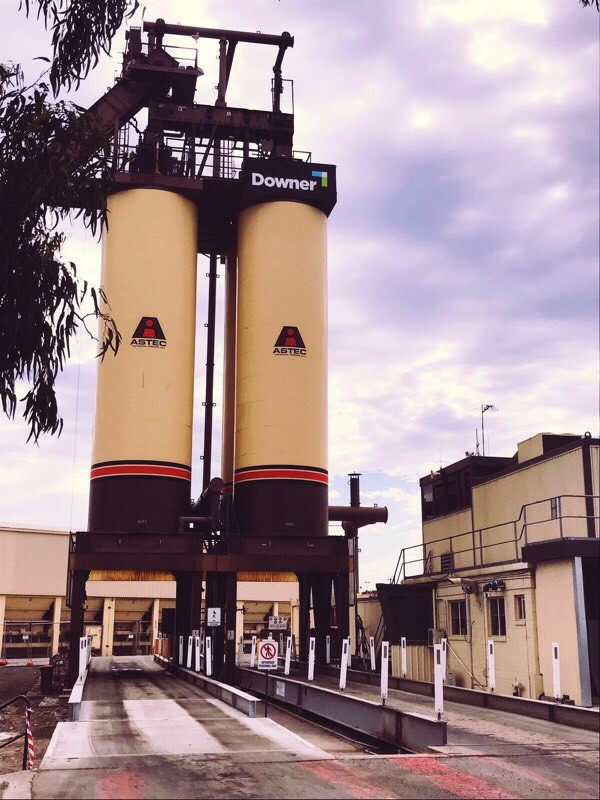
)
(259, 474)
(139, 470)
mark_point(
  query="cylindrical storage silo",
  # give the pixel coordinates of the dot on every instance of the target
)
(280, 476)
(141, 459)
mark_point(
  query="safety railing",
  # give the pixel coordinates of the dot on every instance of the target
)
(28, 752)
(184, 156)
(486, 545)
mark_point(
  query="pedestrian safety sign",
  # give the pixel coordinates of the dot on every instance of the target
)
(267, 654)
(213, 617)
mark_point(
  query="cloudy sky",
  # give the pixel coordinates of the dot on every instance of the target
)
(463, 252)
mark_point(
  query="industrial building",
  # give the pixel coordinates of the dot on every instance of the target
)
(509, 554)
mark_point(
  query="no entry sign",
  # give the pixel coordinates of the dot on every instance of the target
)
(267, 654)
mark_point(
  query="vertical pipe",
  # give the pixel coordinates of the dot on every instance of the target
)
(210, 370)
(354, 489)
(222, 85)
(228, 436)
(355, 502)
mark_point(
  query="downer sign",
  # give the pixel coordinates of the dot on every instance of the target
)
(286, 179)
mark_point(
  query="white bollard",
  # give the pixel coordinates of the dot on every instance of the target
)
(438, 679)
(208, 645)
(83, 644)
(288, 656)
(556, 671)
(197, 653)
(403, 656)
(385, 660)
(444, 658)
(328, 649)
(344, 663)
(311, 658)
(189, 652)
(253, 652)
(372, 649)
(240, 651)
(491, 665)
(180, 650)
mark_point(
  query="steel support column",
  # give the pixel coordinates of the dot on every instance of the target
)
(183, 611)
(342, 605)
(321, 588)
(78, 581)
(303, 614)
(230, 626)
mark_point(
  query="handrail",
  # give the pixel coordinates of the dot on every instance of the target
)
(379, 634)
(403, 561)
(19, 735)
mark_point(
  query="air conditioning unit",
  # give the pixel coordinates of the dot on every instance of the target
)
(435, 636)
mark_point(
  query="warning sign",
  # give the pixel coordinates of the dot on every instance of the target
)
(267, 654)
(278, 623)
(213, 617)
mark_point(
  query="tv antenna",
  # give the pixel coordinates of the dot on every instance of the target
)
(485, 407)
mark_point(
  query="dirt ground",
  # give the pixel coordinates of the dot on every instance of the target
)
(47, 711)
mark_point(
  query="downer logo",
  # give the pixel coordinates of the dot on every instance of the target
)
(289, 183)
(272, 179)
(289, 342)
(148, 334)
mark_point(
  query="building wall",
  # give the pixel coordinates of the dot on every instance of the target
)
(595, 458)
(556, 601)
(457, 525)
(499, 501)
(515, 653)
(497, 518)
(33, 562)
(370, 612)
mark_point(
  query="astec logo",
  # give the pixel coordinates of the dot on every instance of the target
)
(322, 175)
(148, 334)
(289, 342)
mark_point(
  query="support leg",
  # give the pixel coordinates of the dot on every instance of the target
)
(77, 619)
(230, 626)
(304, 614)
(321, 586)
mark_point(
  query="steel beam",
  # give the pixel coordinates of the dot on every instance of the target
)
(404, 730)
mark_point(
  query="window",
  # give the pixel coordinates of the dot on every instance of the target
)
(554, 508)
(520, 607)
(427, 498)
(458, 617)
(497, 616)
(447, 560)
